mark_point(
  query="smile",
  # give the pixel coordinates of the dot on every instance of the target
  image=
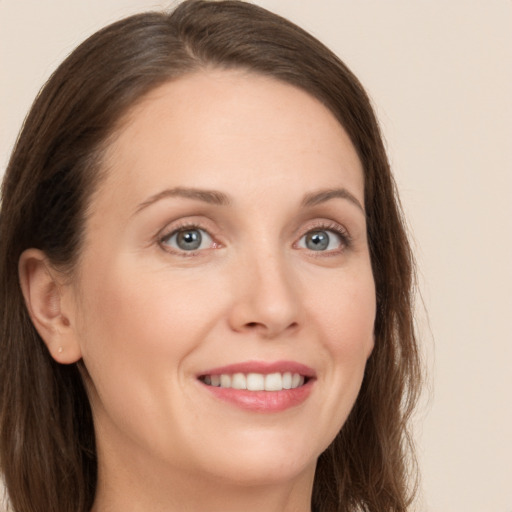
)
(263, 387)
(256, 381)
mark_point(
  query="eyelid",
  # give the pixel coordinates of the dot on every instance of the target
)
(184, 225)
(327, 225)
(199, 224)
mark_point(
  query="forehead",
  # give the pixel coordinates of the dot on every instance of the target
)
(215, 124)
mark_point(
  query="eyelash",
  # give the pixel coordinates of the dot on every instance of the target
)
(182, 228)
(333, 227)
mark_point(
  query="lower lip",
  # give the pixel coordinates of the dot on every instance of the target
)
(263, 401)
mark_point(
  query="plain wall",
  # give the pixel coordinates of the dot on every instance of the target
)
(440, 74)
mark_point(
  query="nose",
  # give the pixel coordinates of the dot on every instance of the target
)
(266, 301)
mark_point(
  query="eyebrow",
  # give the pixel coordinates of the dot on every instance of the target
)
(220, 199)
(207, 196)
(316, 198)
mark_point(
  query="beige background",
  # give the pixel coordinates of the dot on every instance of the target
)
(440, 74)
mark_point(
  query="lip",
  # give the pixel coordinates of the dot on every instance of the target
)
(262, 401)
(263, 367)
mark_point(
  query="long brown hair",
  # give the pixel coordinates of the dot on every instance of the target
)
(47, 446)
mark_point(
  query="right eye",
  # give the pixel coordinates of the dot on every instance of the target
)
(188, 239)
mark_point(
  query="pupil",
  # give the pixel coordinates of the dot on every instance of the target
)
(189, 240)
(317, 240)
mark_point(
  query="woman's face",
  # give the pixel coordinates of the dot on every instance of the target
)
(226, 243)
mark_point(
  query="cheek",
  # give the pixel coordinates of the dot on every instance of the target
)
(345, 314)
(137, 330)
(346, 309)
(146, 316)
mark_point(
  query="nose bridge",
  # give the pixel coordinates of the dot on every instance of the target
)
(268, 301)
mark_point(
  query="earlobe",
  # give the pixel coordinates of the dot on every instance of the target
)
(44, 300)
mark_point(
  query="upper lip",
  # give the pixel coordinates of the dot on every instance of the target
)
(263, 367)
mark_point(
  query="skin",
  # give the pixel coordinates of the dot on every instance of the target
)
(147, 317)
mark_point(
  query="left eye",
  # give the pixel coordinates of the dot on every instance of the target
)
(321, 240)
(188, 239)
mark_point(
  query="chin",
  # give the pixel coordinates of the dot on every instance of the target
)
(265, 473)
(264, 461)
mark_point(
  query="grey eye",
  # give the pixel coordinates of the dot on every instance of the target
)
(320, 240)
(190, 239)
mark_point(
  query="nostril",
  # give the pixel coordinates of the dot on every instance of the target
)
(257, 325)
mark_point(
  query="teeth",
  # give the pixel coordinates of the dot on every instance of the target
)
(238, 381)
(225, 381)
(287, 380)
(273, 382)
(256, 381)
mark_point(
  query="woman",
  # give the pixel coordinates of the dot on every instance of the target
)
(206, 283)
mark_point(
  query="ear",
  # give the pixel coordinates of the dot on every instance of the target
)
(44, 298)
